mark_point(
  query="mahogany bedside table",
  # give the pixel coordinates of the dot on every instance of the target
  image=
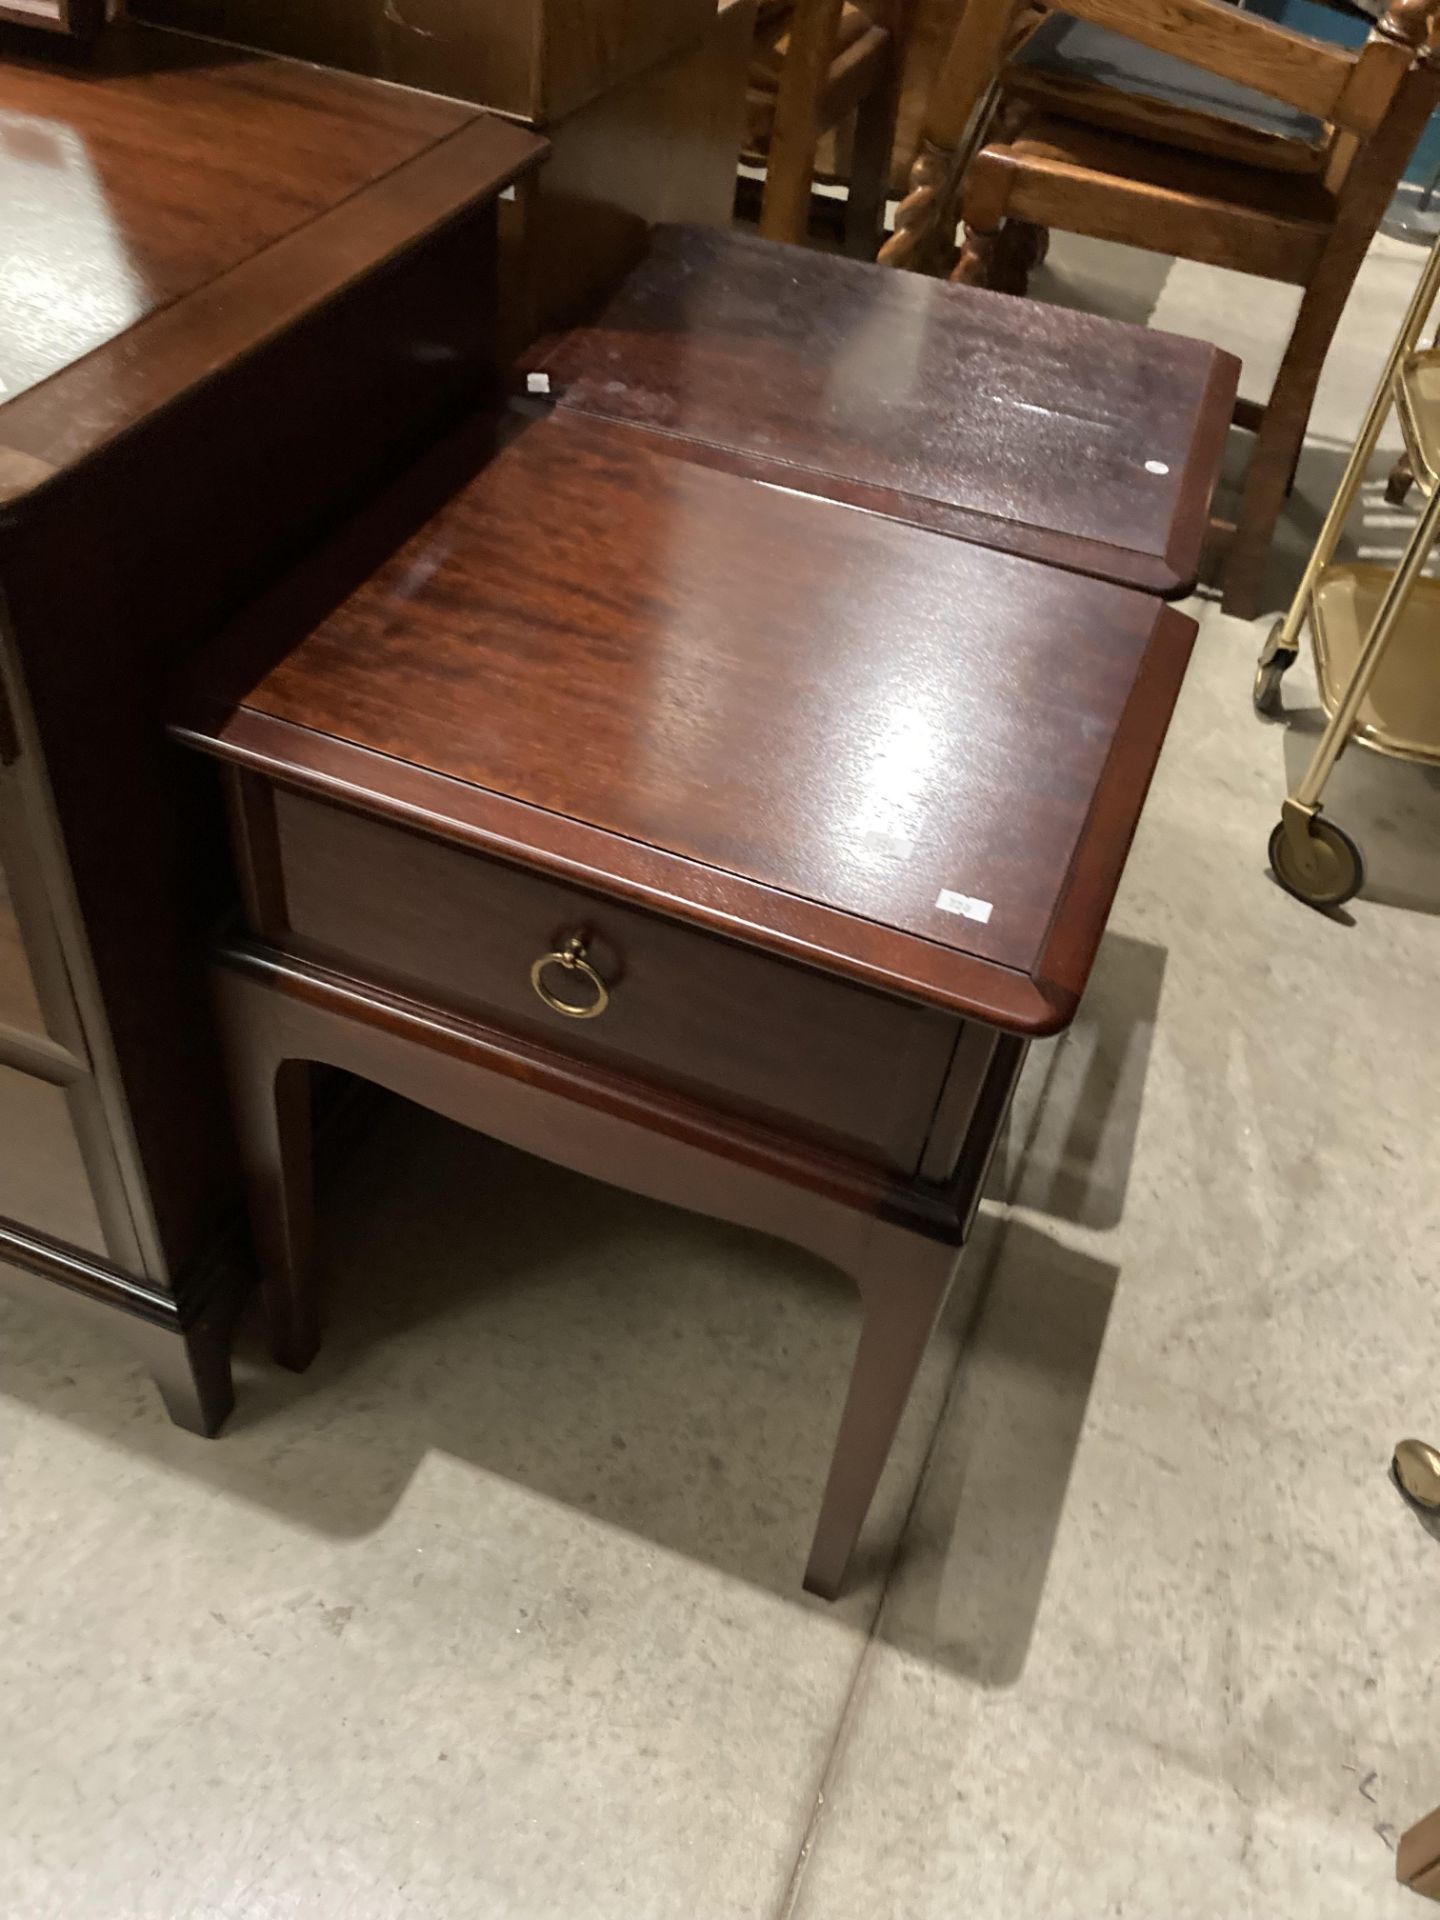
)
(1078, 441)
(714, 840)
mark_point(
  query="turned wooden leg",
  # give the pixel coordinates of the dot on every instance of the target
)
(1001, 260)
(975, 264)
(924, 236)
(270, 1103)
(1026, 244)
(903, 1280)
(990, 254)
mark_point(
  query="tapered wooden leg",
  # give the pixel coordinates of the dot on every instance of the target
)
(270, 1102)
(192, 1371)
(1278, 447)
(903, 1281)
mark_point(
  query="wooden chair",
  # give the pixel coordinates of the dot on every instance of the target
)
(1188, 127)
(834, 60)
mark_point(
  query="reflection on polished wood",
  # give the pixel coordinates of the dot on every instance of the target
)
(235, 293)
(657, 671)
(1043, 432)
(833, 806)
(97, 235)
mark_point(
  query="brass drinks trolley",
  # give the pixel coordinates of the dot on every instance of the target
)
(1376, 633)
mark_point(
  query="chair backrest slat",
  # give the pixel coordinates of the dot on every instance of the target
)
(1243, 47)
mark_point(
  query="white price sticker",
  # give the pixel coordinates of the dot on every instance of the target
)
(965, 905)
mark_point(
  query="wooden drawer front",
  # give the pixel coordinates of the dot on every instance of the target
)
(766, 1037)
(43, 1181)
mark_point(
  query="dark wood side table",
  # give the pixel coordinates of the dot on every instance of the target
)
(1077, 441)
(238, 294)
(717, 841)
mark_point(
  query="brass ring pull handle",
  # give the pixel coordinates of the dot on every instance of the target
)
(572, 958)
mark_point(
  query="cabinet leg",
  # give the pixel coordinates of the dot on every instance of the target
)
(903, 1282)
(192, 1371)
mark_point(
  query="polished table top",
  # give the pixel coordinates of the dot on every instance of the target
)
(134, 176)
(1070, 439)
(151, 168)
(911, 759)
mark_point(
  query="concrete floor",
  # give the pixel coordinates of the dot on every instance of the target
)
(497, 1614)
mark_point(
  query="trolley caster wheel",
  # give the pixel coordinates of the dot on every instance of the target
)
(1327, 872)
(1275, 663)
(1401, 479)
(1415, 1470)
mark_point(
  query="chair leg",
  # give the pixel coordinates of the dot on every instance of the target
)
(870, 155)
(270, 1105)
(903, 1280)
(990, 255)
(1401, 479)
(795, 132)
(1003, 260)
(1278, 448)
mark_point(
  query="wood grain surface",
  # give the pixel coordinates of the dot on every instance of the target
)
(1044, 432)
(104, 223)
(750, 1032)
(809, 726)
(236, 294)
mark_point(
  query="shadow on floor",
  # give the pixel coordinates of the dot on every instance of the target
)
(1082, 1137)
(1096, 276)
(669, 1376)
(979, 1546)
(1374, 532)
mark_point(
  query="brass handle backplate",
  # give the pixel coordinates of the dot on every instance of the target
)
(572, 958)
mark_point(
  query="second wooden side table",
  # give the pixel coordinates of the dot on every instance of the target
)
(711, 839)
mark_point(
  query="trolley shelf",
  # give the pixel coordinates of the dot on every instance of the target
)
(1400, 713)
(1417, 405)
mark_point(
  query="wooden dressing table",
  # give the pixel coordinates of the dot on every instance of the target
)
(235, 294)
(713, 839)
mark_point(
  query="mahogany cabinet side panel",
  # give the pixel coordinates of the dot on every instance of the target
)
(117, 572)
